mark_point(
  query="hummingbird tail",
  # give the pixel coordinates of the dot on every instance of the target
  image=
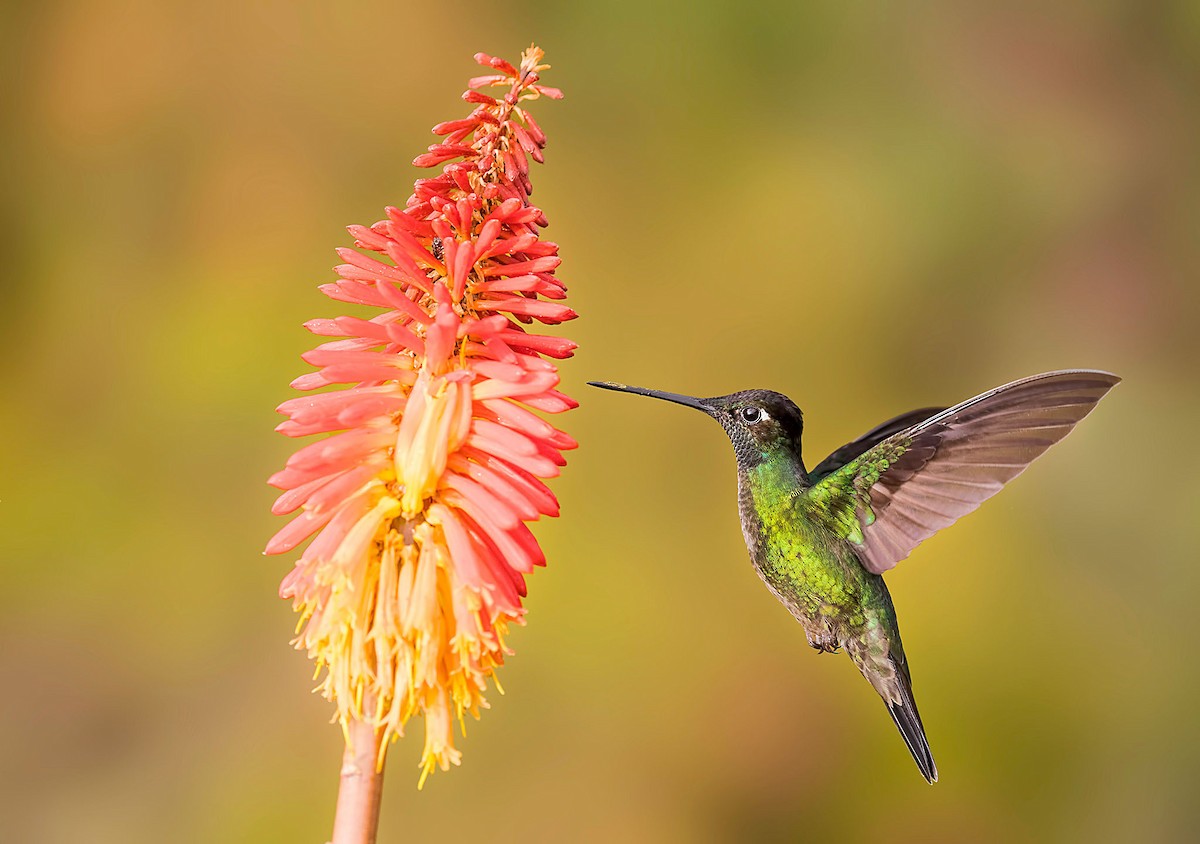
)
(908, 721)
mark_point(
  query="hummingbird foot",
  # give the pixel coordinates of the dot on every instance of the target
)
(822, 641)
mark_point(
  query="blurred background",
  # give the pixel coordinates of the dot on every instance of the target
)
(868, 209)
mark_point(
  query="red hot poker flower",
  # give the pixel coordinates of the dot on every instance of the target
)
(417, 508)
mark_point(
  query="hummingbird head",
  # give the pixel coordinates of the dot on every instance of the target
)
(761, 424)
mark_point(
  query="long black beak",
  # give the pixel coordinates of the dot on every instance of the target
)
(687, 401)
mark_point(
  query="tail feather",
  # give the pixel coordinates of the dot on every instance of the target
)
(908, 721)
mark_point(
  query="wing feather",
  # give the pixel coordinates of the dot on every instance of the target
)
(913, 482)
(853, 449)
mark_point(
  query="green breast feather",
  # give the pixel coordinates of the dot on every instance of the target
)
(803, 551)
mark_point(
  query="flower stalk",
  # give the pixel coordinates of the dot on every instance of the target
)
(360, 786)
(416, 504)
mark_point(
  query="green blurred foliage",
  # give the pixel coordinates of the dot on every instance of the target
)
(867, 207)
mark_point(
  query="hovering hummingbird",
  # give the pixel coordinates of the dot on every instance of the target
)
(820, 540)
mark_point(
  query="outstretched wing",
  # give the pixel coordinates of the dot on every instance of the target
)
(880, 432)
(919, 480)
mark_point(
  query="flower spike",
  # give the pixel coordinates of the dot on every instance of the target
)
(416, 503)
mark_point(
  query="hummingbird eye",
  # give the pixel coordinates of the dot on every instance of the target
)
(751, 414)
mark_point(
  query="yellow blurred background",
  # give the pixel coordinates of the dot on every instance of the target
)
(870, 209)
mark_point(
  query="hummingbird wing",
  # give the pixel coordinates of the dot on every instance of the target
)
(882, 431)
(916, 481)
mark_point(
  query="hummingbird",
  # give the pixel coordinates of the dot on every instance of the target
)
(822, 539)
